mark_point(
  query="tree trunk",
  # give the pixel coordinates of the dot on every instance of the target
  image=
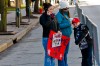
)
(3, 8)
(36, 7)
(41, 3)
(9, 5)
(27, 7)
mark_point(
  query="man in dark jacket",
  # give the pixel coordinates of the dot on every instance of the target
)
(82, 38)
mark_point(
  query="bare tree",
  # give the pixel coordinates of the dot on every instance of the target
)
(3, 11)
(9, 5)
(27, 7)
(36, 7)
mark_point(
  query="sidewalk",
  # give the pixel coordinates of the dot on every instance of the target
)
(8, 40)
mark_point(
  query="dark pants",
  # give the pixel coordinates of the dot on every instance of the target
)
(87, 56)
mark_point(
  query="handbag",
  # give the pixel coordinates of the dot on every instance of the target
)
(56, 46)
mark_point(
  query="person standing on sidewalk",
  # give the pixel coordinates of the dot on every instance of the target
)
(82, 38)
(47, 20)
(63, 17)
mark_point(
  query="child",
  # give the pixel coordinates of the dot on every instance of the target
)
(82, 38)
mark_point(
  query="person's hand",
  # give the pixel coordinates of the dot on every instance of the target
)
(71, 19)
(60, 33)
(48, 13)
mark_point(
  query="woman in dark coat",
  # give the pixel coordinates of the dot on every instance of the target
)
(48, 22)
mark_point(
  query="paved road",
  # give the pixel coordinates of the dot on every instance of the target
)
(93, 12)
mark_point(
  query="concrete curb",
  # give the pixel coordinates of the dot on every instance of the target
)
(19, 35)
(9, 42)
(6, 44)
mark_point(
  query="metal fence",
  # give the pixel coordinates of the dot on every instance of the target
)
(93, 33)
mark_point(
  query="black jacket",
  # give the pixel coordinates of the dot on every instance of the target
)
(48, 23)
(83, 33)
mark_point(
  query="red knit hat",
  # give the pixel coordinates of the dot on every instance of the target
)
(75, 20)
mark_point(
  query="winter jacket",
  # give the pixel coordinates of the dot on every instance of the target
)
(82, 37)
(48, 23)
(64, 24)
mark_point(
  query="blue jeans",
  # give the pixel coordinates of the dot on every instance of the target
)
(49, 61)
(64, 61)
